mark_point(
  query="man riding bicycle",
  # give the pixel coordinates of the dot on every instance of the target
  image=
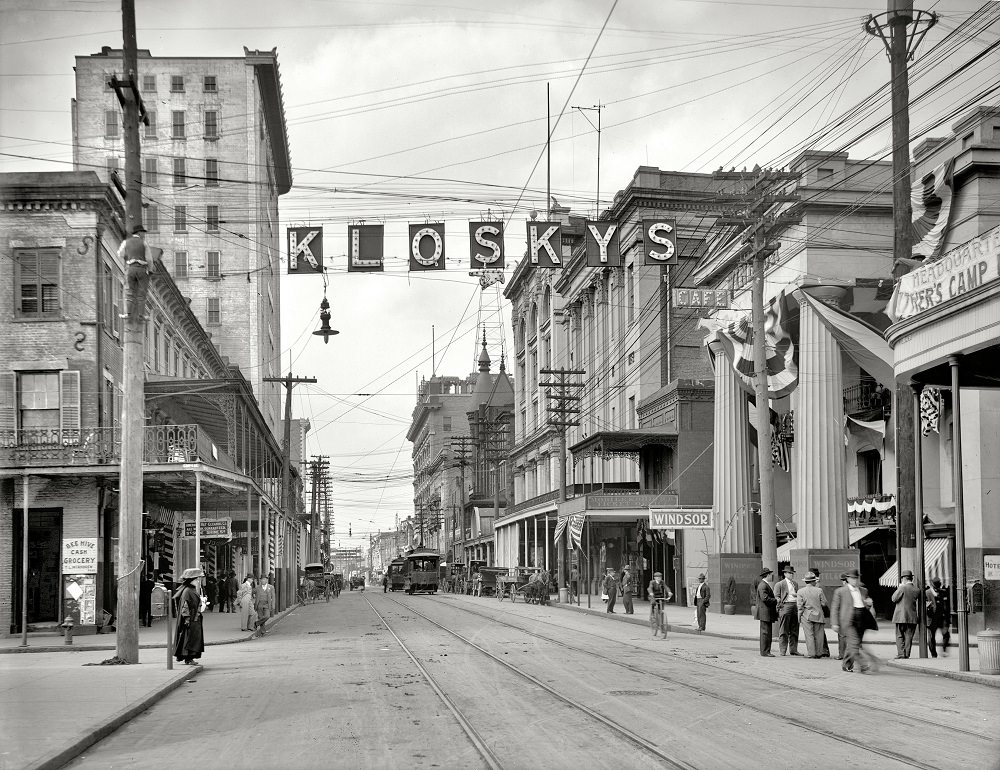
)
(658, 593)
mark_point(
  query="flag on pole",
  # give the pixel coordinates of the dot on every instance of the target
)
(576, 529)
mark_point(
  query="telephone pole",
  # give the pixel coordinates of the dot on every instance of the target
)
(761, 221)
(562, 416)
(137, 257)
(461, 448)
(906, 29)
(318, 467)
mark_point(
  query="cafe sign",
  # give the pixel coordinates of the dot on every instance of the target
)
(958, 272)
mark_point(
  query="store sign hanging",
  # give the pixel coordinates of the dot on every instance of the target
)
(958, 272)
(659, 242)
(603, 244)
(221, 528)
(79, 556)
(486, 246)
(711, 299)
(545, 244)
(305, 250)
(680, 518)
(427, 247)
(365, 248)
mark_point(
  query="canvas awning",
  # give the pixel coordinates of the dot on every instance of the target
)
(937, 563)
(854, 534)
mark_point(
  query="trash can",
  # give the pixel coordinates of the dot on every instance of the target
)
(158, 601)
(563, 595)
(989, 651)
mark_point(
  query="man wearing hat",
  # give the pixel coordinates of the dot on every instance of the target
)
(905, 614)
(658, 591)
(787, 594)
(938, 616)
(137, 255)
(701, 596)
(767, 611)
(628, 588)
(851, 616)
(610, 586)
(811, 602)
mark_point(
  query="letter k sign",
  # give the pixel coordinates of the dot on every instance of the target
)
(301, 242)
(540, 247)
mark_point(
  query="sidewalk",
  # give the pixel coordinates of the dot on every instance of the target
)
(681, 620)
(53, 706)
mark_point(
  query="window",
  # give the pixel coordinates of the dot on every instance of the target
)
(180, 264)
(149, 177)
(168, 346)
(631, 412)
(212, 218)
(177, 84)
(446, 423)
(211, 124)
(44, 404)
(177, 124)
(869, 472)
(38, 400)
(212, 264)
(211, 85)
(37, 282)
(151, 128)
(211, 172)
(156, 348)
(214, 311)
(112, 163)
(180, 175)
(111, 123)
(152, 217)
(176, 368)
(180, 219)
(149, 84)
(630, 287)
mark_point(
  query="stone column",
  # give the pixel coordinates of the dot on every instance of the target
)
(820, 482)
(731, 470)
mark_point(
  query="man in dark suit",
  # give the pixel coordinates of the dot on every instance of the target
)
(905, 614)
(851, 614)
(786, 593)
(701, 596)
(766, 611)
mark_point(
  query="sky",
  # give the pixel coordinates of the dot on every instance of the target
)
(414, 112)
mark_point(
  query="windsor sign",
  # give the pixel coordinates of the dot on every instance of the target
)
(680, 518)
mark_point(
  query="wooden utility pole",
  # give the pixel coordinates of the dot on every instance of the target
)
(900, 45)
(136, 256)
(461, 448)
(760, 190)
(562, 416)
(318, 467)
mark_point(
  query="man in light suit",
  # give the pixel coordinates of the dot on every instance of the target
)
(811, 602)
(850, 605)
(766, 611)
(905, 615)
(787, 594)
(701, 596)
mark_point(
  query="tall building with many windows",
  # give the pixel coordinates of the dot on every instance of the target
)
(214, 159)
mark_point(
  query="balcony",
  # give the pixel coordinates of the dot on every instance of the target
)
(51, 447)
(872, 511)
(868, 400)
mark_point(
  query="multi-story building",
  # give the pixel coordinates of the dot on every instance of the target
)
(214, 159)
(208, 454)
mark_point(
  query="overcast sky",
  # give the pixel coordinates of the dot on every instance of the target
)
(408, 112)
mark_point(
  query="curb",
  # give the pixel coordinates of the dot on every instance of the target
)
(61, 757)
(161, 646)
(962, 676)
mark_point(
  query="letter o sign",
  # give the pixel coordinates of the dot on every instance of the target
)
(433, 261)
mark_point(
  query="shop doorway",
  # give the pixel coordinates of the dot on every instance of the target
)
(44, 547)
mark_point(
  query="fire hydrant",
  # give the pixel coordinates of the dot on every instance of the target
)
(68, 625)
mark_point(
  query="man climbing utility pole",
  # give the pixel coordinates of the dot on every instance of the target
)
(136, 256)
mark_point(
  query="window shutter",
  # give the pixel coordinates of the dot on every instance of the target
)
(48, 270)
(8, 409)
(69, 406)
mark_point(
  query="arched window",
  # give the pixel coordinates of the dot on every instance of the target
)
(546, 304)
(533, 321)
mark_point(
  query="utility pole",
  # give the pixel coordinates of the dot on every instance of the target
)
(562, 416)
(906, 29)
(461, 448)
(137, 257)
(319, 467)
(761, 222)
(286, 472)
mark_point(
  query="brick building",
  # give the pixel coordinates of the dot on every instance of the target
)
(215, 159)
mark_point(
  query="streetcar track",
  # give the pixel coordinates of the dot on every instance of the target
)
(765, 680)
(477, 741)
(616, 728)
(791, 719)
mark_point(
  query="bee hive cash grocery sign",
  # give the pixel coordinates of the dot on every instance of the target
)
(79, 556)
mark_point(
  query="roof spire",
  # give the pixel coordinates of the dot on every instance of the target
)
(484, 357)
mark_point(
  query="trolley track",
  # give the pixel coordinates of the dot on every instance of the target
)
(619, 730)
(740, 703)
(784, 685)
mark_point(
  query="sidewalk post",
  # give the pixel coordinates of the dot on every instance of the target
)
(170, 657)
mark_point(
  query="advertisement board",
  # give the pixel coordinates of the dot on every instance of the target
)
(680, 518)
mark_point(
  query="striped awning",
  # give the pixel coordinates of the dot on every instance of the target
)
(937, 563)
(854, 534)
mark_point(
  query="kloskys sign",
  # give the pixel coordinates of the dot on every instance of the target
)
(958, 272)
(426, 248)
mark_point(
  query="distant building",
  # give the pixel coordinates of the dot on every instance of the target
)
(215, 159)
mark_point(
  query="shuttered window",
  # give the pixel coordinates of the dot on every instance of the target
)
(37, 282)
(8, 409)
(69, 406)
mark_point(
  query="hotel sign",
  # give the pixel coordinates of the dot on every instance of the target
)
(680, 518)
(958, 272)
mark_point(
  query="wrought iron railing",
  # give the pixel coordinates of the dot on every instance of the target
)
(867, 396)
(872, 511)
(95, 446)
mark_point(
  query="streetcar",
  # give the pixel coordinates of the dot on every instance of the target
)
(397, 574)
(421, 571)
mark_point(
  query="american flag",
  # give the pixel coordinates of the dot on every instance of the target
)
(779, 452)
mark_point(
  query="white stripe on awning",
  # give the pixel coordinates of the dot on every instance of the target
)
(785, 551)
(937, 563)
(854, 534)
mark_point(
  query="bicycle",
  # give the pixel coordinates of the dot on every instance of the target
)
(657, 616)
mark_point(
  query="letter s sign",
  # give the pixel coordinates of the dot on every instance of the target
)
(659, 241)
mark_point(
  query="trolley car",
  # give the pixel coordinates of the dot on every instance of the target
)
(421, 571)
(397, 574)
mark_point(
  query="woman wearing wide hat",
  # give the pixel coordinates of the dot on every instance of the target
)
(189, 641)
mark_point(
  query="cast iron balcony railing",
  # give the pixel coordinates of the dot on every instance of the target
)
(51, 447)
(868, 398)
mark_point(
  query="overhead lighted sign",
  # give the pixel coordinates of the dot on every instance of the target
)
(79, 556)
(305, 250)
(427, 247)
(713, 299)
(210, 528)
(958, 272)
(603, 244)
(680, 518)
(486, 246)
(545, 244)
(659, 241)
(364, 248)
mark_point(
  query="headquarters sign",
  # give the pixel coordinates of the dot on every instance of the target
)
(680, 518)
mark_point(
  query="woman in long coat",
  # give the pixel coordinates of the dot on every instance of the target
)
(245, 599)
(189, 641)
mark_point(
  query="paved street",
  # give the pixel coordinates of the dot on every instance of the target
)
(332, 687)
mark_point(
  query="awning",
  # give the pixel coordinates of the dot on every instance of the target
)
(937, 563)
(785, 551)
(854, 534)
(623, 443)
